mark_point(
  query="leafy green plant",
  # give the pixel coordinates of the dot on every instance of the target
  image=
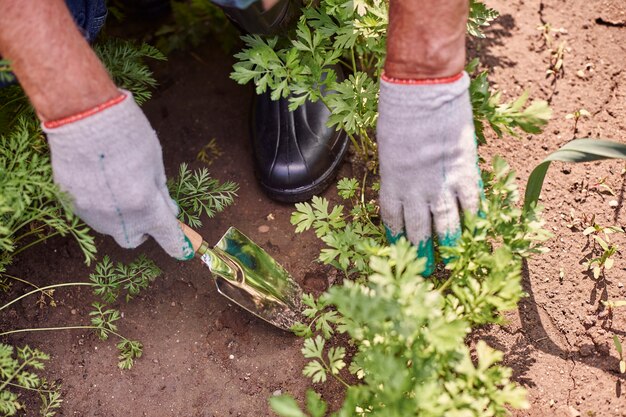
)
(108, 281)
(197, 193)
(347, 242)
(503, 117)
(352, 35)
(485, 270)
(5, 72)
(322, 365)
(604, 262)
(408, 331)
(19, 371)
(321, 319)
(602, 187)
(124, 60)
(32, 209)
(576, 116)
(480, 16)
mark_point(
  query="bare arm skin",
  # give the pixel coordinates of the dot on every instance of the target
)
(268, 4)
(59, 72)
(426, 38)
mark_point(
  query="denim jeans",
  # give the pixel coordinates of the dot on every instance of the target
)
(89, 16)
(239, 4)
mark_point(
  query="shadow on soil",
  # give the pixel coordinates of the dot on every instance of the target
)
(537, 337)
(495, 35)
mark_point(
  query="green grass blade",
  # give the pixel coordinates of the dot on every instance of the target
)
(578, 150)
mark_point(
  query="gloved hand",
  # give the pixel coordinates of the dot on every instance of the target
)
(110, 162)
(428, 160)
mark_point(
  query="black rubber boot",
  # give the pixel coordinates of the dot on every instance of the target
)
(296, 155)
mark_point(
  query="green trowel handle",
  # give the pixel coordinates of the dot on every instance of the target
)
(199, 245)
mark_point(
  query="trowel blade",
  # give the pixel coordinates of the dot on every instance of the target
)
(252, 279)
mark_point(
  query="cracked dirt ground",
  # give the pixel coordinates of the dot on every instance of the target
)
(206, 358)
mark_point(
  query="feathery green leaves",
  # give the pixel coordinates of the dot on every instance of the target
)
(197, 193)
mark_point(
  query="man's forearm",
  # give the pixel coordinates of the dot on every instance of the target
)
(55, 65)
(426, 38)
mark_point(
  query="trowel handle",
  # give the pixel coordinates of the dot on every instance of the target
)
(193, 236)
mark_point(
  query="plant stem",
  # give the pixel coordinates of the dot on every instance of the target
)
(28, 388)
(337, 377)
(66, 284)
(446, 284)
(14, 374)
(355, 143)
(27, 283)
(31, 219)
(32, 232)
(325, 103)
(45, 329)
(344, 63)
(23, 248)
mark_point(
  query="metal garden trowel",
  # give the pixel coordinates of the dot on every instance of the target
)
(249, 277)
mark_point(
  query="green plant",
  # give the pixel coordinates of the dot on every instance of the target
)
(337, 33)
(480, 17)
(503, 117)
(124, 60)
(347, 242)
(557, 54)
(19, 371)
(408, 332)
(32, 209)
(602, 187)
(198, 193)
(5, 72)
(577, 115)
(596, 229)
(604, 262)
(108, 281)
(618, 347)
(578, 150)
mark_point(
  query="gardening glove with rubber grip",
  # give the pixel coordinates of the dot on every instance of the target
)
(109, 161)
(428, 160)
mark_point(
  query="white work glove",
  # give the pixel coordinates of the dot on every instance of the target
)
(109, 161)
(428, 160)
